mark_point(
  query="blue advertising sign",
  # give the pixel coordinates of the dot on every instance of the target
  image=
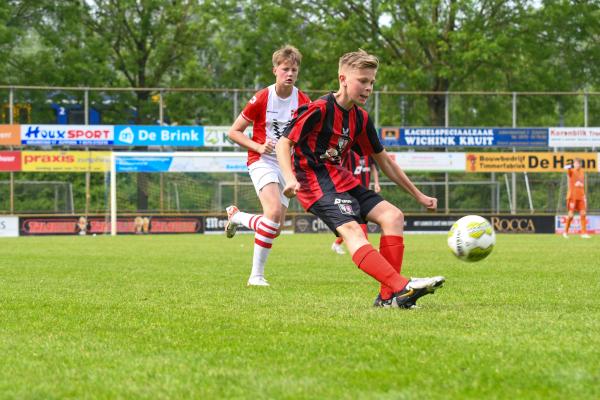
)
(143, 164)
(464, 137)
(521, 137)
(157, 135)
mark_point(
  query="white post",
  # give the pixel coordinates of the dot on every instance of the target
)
(11, 120)
(446, 183)
(86, 121)
(510, 203)
(528, 193)
(377, 110)
(585, 109)
(513, 207)
(161, 109)
(11, 106)
(86, 106)
(235, 104)
(113, 195)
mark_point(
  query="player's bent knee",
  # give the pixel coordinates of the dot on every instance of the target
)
(274, 215)
(394, 217)
(350, 231)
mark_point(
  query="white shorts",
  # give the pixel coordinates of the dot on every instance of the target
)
(265, 171)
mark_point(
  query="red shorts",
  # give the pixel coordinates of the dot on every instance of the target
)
(576, 205)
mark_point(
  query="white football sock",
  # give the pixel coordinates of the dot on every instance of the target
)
(266, 232)
(250, 221)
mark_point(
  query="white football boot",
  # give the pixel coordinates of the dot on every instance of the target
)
(337, 248)
(231, 227)
(414, 290)
(257, 281)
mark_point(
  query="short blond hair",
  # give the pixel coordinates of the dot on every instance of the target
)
(358, 60)
(287, 53)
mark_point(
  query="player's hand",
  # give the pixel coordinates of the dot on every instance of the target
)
(291, 188)
(430, 203)
(266, 148)
(376, 188)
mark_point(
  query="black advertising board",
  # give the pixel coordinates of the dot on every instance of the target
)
(441, 223)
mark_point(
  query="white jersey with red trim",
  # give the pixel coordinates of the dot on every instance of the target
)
(270, 115)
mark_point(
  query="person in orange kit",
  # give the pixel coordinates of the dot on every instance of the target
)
(576, 200)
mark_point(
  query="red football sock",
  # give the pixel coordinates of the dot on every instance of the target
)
(339, 240)
(392, 249)
(568, 224)
(365, 230)
(370, 261)
(583, 224)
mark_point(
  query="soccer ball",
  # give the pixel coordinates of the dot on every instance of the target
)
(471, 238)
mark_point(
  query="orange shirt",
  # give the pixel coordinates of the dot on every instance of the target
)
(576, 184)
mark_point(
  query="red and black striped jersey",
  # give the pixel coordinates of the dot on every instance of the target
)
(323, 133)
(360, 166)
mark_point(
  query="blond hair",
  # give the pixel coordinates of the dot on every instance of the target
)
(287, 53)
(358, 60)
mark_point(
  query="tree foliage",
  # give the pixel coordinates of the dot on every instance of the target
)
(425, 45)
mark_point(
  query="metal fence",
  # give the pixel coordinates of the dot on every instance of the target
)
(200, 106)
(210, 106)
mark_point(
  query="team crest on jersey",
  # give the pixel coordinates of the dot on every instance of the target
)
(334, 154)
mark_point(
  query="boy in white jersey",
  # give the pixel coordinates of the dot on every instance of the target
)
(269, 111)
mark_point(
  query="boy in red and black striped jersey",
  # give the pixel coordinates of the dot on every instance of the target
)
(362, 167)
(320, 137)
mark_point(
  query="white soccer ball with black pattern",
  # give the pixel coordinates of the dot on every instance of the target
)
(471, 238)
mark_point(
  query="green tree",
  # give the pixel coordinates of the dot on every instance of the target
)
(430, 45)
(144, 43)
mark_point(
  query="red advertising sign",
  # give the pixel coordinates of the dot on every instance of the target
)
(10, 161)
(176, 225)
(145, 225)
(48, 226)
(101, 225)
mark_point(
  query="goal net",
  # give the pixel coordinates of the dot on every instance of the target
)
(178, 183)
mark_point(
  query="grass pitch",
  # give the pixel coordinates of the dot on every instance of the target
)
(170, 317)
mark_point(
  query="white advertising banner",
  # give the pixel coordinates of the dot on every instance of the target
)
(574, 137)
(210, 162)
(181, 161)
(229, 161)
(9, 226)
(430, 161)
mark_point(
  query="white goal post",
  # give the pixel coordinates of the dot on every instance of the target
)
(181, 161)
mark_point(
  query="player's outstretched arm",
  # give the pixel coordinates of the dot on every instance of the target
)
(236, 133)
(395, 173)
(284, 151)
